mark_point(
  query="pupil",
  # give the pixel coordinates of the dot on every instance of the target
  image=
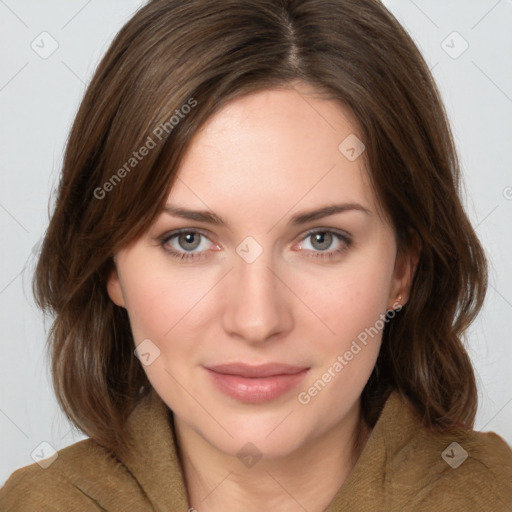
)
(324, 240)
(188, 238)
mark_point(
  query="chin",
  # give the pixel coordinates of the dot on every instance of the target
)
(257, 444)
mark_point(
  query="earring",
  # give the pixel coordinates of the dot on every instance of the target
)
(396, 305)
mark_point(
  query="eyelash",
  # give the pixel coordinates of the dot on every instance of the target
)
(342, 237)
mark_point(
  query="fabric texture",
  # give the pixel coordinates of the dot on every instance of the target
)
(403, 467)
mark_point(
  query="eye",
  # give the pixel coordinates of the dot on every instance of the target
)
(321, 240)
(185, 244)
(190, 244)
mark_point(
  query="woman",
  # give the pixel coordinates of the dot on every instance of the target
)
(261, 271)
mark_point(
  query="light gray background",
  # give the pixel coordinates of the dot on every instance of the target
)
(39, 97)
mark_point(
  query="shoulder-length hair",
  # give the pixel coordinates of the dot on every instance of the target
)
(173, 65)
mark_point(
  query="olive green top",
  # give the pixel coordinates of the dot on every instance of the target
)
(403, 467)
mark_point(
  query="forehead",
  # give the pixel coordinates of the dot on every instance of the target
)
(267, 151)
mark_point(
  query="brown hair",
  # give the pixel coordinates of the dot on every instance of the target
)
(203, 54)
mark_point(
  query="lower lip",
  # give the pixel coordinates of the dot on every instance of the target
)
(256, 390)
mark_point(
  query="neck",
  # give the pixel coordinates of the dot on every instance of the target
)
(307, 478)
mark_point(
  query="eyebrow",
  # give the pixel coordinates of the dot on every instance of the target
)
(298, 219)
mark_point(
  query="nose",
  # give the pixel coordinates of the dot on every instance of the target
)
(258, 304)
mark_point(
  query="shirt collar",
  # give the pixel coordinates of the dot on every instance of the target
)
(154, 462)
(153, 459)
(368, 479)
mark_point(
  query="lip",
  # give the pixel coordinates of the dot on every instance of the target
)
(256, 384)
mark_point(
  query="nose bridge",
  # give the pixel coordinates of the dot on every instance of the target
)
(256, 308)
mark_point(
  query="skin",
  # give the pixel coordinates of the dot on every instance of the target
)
(257, 162)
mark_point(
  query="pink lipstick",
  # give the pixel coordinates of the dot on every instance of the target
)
(256, 384)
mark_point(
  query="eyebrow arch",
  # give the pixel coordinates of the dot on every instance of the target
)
(326, 211)
(298, 219)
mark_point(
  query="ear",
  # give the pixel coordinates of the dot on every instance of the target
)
(405, 268)
(114, 289)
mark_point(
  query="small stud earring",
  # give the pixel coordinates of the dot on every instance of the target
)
(397, 305)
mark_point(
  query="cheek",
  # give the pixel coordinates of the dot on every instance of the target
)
(159, 303)
(163, 308)
(351, 304)
(348, 346)
(147, 301)
(353, 299)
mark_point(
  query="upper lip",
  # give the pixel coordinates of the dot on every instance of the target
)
(263, 370)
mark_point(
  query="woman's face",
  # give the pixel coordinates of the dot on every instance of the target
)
(272, 282)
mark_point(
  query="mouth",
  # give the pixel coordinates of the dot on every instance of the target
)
(256, 384)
